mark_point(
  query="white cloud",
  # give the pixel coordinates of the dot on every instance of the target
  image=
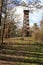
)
(19, 10)
(36, 16)
(41, 0)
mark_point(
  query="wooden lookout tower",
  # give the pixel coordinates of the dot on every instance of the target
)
(26, 28)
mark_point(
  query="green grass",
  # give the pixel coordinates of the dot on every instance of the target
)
(32, 51)
(29, 47)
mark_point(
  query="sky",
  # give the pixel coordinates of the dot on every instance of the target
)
(34, 17)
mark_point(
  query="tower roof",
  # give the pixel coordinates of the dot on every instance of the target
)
(26, 10)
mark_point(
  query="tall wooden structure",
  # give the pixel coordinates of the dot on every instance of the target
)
(26, 29)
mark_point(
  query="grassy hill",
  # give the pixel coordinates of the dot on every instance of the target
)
(21, 52)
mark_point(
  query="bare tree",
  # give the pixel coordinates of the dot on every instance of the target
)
(3, 10)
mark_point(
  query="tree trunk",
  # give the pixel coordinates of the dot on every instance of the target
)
(4, 21)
